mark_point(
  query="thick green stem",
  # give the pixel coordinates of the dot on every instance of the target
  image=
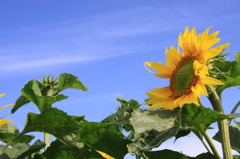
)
(46, 141)
(209, 141)
(215, 100)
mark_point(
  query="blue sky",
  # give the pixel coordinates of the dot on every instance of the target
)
(104, 43)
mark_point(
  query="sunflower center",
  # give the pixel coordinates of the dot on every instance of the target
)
(183, 77)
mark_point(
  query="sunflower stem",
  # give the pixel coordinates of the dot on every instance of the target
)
(215, 100)
(210, 143)
(46, 140)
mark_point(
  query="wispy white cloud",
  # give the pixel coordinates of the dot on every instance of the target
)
(96, 37)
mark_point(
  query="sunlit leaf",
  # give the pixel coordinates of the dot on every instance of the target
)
(199, 116)
(57, 123)
(151, 128)
(66, 81)
(230, 71)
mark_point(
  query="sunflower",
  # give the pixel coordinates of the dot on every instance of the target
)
(187, 70)
(2, 122)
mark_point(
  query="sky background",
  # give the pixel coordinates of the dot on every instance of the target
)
(104, 43)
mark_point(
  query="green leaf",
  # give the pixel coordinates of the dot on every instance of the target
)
(165, 154)
(151, 128)
(57, 150)
(31, 92)
(236, 157)
(57, 123)
(234, 133)
(126, 108)
(237, 57)
(15, 151)
(238, 123)
(104, 137)
(9, 131)
(230, 71)
(36, 147)
(183, 131)
(22, 100)
(199, 116)
(70, 81)
(233, 116)
(169, 154)
(204, 156)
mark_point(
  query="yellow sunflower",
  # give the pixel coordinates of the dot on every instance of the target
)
(2, 122)
(106, 156)
(186, 68)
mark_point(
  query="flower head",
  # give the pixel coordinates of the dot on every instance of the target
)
(2, 122)
(187, 70)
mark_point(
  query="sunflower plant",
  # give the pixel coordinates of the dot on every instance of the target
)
(196, 67)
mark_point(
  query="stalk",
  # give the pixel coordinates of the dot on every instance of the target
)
(209, 141)
(223, 124)
(46, 140)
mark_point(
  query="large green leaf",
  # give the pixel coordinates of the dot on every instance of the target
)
(66, 81)
(104, 137)
(234, 133)
(199, 116)
(9, 131)
(151, 128)
(36, 147)
(169, 154)
(230, 73)
(57, 123)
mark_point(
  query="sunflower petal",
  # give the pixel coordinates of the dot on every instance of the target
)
(5, 106)
(2, 122)
(165, 72)
(215, 51)
(211, 81)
